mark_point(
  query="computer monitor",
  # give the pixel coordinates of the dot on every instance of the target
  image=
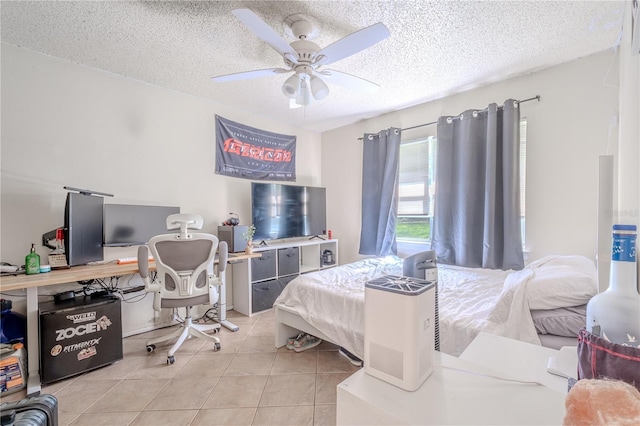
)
(83, 218)
(130, 224)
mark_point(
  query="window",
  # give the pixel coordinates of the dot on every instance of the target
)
(523, 172)
(417, 183)
(416, 189)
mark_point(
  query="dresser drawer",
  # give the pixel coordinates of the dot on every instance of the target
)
(264, 293)
(285, 280)
(264, 267)
(288, 261)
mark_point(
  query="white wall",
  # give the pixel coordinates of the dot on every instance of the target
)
(66, 124)
(567, 131)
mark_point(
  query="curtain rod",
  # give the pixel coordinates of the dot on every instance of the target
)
(537, 97)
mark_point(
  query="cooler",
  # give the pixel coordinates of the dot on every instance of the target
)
(79, 335)
(399, 330)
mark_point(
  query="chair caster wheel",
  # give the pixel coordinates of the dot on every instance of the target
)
(171, 360)
(216, 330)
(151, 348)
(216, 347)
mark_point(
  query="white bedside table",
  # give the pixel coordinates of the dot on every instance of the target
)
(461, 391)
(518, 360)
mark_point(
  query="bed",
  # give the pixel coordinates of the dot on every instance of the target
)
(544, 303)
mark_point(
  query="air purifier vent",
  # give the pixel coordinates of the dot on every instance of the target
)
(386, 360)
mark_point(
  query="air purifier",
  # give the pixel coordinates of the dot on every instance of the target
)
(399, 330)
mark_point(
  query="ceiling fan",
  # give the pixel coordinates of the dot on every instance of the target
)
(305, 59)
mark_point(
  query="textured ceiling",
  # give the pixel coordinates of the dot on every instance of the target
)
(435, 49)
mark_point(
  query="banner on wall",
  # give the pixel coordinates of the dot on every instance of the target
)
(250, 153)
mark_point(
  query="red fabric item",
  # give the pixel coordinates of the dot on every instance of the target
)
(598, 358)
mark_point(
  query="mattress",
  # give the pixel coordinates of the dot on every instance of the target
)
(470, 300)
(556, 342)
(332, 300)
(565, 322)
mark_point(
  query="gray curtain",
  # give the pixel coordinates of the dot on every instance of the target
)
(477, 205)
(379, 192)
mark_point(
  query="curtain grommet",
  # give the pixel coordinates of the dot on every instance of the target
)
(475, 114)
(449, 120)
(370, 137)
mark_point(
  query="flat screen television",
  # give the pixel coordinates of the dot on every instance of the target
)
(83, 218)
(130, 224)
(288, 211)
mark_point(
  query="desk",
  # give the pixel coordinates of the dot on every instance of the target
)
(76, 273)
(462, 391)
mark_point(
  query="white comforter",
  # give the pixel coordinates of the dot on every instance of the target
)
(474, 300)
(470, 300)
(332, 300)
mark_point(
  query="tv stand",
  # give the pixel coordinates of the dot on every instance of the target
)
(263, 243)
(257, 286)
(317, 236)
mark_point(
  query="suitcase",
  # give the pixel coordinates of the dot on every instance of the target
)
(41, 410)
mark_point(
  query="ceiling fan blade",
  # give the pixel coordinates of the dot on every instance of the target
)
(246, 75)
(353, 43)
(265, 33)
(349, 81)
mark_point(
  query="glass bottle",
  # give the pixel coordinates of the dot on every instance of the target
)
(32, 262)
(614, 314)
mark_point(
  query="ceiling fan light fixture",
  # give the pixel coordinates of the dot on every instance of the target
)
(318, 88)
(290, 86)
(304, 94)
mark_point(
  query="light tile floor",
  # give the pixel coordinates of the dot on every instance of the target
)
(247, 382)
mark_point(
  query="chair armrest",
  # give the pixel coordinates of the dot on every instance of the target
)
(215, 281)
(151, 287)
(143, 270)
(143, 261)
(223, 256)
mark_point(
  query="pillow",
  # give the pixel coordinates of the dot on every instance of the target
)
(565, 322)
(561, 281)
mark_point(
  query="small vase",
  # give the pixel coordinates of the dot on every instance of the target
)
(249, 248)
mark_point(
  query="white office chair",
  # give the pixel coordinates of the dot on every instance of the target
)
(185, 278)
